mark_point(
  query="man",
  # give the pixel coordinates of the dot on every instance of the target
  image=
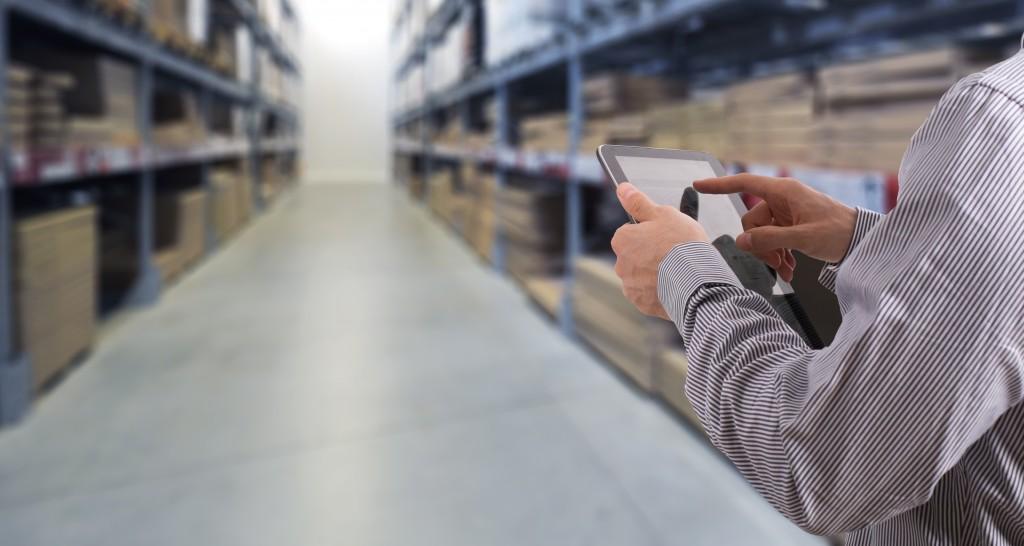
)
(908, 428)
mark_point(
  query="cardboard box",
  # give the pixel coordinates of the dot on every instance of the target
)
(608, 322)
(55, 288)
(547, 292)
(671, 382)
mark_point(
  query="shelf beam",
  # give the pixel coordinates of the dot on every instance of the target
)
(96, 30)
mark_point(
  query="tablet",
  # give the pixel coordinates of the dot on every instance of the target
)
(666, 176)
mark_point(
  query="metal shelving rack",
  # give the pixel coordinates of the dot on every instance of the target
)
(149, 58)
(805, 34)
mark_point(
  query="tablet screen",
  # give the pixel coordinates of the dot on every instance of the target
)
(665, 179)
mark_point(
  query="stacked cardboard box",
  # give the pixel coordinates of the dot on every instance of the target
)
(231, 200)
(671, 381)
(532, 220)
(612, 325)
(180, 232)
(873, 108)
(55, 284)
(36, 114)
(101, 105)
(546, 132)
(615, 105)
(272, 181)
(180, 24)
(481, 220)
(176, 119)
(614, 93)
(698, 124)
(771, 119)
(547, 293)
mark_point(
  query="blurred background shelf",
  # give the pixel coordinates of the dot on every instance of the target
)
(498, 108)
(172, 121)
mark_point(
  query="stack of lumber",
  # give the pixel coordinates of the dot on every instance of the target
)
(671, 381)
(180, 232)
(55, 288)
(698, 124)
(771, 119)
(532, 220)
(36, 114)
(610, 324)
(872, 108)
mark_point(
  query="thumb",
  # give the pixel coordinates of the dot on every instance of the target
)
(638, 205)
(768, 238)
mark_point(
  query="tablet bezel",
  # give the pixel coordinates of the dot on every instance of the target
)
(608, 154)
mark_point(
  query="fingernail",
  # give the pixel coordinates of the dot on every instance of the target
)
(625, 190)
(743, 241)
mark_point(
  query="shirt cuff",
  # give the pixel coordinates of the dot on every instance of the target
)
(866, 221)
(687, 267)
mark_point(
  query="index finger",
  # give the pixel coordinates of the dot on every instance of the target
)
(761, 186)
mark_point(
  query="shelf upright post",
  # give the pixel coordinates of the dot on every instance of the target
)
(427, 122)
(209, 233)
(501, 142)
(255, 117)
(146, 289)
(573, 197)
(15, 368)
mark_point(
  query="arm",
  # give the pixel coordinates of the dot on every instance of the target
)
(926, 359)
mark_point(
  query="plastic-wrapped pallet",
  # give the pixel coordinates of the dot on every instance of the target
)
(771, 119)
(872, 108)
(55, 287)
(513, 28)
(612, 325)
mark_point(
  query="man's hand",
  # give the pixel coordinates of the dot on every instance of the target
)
(791, 217)
(641, 247)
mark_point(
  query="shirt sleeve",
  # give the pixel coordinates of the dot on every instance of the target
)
(929, 353)
(866, 220)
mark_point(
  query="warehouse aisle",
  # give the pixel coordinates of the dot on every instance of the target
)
(345, 372)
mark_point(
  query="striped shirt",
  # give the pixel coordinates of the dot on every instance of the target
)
(908, 428)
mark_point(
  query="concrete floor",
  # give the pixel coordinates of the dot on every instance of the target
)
(345, 372)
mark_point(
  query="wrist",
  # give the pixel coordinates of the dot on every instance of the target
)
(846, 216)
